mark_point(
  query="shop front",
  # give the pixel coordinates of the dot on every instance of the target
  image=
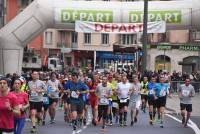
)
(114, 60)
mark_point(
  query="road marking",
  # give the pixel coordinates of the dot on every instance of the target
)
(84, 127)
(191, 124)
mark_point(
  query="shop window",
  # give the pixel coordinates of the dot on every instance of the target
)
(87, 38)
(69, 61)
(104, 38)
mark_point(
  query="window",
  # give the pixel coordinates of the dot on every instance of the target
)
(195, 36)
(52, 62)
(25, 59)
(48, 38)
(34, 60)
(69, 61)
(127, 39)
(104, 38)
(74, 36)
(87, 38)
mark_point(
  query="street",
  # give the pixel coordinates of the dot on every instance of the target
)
(171, 126)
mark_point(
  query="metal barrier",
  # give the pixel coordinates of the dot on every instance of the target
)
(175, 84)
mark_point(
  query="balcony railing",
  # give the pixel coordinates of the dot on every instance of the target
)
(65, 45)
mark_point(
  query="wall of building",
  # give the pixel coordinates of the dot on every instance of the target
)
(95, 43)
(174, 54)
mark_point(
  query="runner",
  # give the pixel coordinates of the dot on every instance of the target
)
(53, 88)
(151, 100)
(112, 84)
(77, 90)
(144, 93)
(115, 100)
(22, 98)
(123, 95)
(134, 104)
(9, 107)
(93, 98)
(161, 92)
(66, 98)
(36, 90)
(45, 104)
(186, 92)
(104, 93)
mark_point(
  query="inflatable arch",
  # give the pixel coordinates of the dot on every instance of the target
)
(43, 14)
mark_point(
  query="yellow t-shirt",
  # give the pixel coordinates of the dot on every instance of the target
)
(144, 90)
(113, 86)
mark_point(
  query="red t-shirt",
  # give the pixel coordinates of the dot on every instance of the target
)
(22, 99)
(6, 116)
(93, 87)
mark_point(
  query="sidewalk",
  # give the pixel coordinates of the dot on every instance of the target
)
(173, 104)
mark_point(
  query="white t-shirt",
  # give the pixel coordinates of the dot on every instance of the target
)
(123, 89)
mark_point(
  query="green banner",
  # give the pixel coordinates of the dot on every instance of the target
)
(168, 16)
(70, 15)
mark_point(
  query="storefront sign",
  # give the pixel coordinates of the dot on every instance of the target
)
(96, 27)
(167, 16)
(164, 47)
(70, 15)
(179, 47)
(190, 48)
(113, 56)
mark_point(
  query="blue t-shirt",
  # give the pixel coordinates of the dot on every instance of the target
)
(161, 89)
(73, 87)
(66, 85)
(151, 89)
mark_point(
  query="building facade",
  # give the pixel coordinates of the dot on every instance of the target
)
(173, 50)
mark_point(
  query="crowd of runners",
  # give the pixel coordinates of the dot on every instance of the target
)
(112, 97)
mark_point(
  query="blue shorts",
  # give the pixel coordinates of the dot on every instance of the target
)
(110, 103)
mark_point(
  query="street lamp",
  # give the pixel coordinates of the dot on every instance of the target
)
(145, 36)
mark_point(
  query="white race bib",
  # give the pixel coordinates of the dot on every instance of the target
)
(34, 94)
(151, 92)
(162, 92)
(45, 99)
(115, 105)
(123, 100)
(104, 101)
(74, 94)
(185, 93)
(8, 133)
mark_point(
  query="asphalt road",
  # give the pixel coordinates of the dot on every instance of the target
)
(171, 126)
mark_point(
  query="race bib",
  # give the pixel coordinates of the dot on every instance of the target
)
(144, 91)
(45, 100)
(162, 92)
(151, 92)
(185, 92)
(123, 100)
(104, 101)
(34, 94)
(74, 94)
(8, 133)
(115, 105)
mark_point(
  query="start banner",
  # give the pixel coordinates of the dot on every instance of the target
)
(122, 28)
